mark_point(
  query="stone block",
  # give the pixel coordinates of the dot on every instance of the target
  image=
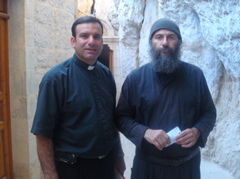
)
(20, 152)
(19, 130)
(19, 107)
(30, 55)
(44, 14)
(32, 149)
(44, 35)
(29, 32)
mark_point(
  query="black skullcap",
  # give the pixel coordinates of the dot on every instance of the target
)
(165, 24)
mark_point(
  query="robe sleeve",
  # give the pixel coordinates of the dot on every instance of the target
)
(126, 115)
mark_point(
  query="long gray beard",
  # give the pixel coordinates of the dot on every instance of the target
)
(165, 64)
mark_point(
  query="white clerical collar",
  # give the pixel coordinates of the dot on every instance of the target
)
(91, 67)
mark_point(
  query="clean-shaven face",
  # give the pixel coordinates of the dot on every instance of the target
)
(88, 43)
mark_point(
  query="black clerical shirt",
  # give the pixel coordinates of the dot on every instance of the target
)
(75, 108)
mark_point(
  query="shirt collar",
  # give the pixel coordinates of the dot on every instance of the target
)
(83, 64)
(91, 67)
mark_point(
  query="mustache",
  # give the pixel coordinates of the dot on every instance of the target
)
(165, 49)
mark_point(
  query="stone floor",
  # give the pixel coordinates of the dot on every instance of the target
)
(212, 171)
(208, 170)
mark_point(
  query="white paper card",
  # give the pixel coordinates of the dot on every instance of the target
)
(173, 134)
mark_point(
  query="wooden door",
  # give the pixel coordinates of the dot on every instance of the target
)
(6, 168)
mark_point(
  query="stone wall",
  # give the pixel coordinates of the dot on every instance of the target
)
(39, 33)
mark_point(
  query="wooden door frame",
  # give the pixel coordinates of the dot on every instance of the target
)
(5, 124)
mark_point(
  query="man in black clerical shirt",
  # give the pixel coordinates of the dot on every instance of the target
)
(166, 110)
(74, 120)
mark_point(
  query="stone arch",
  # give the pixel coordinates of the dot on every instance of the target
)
(107, 29)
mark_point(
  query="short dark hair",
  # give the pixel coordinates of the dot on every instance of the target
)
(85, 19)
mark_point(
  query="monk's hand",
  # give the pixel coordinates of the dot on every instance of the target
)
(158, 138)
(188, 137)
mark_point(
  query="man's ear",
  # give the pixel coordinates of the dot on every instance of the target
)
(72, 41)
